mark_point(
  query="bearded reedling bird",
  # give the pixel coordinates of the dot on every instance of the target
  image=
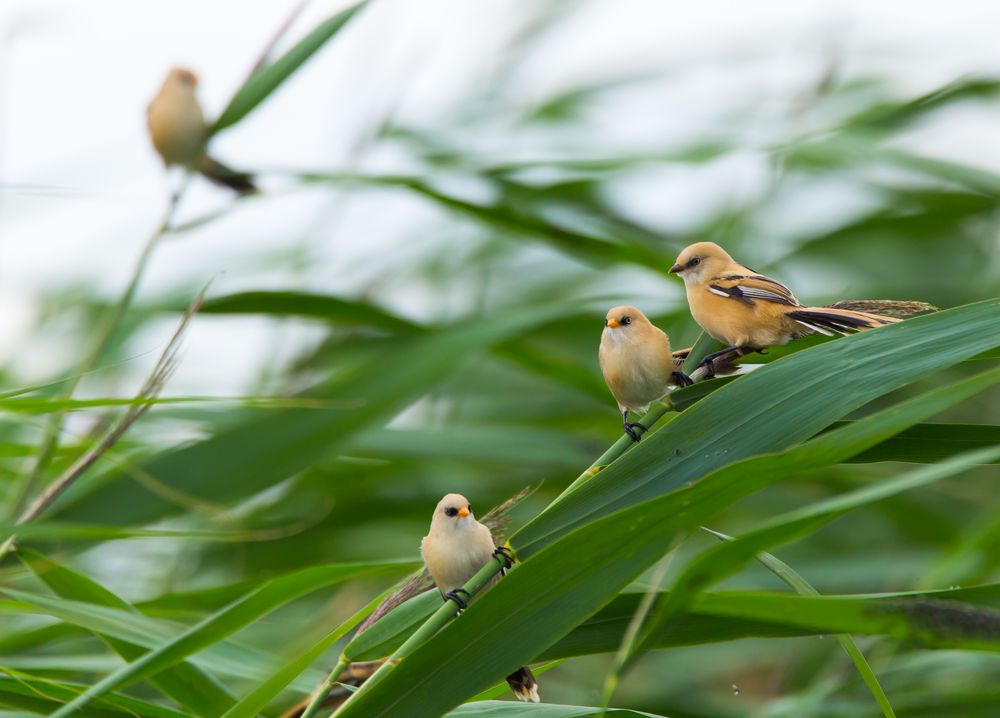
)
(454, 550)
(179, 132)
(637, 363)
(747, 311)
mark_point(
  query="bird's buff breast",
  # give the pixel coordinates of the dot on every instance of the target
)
(453, 564)
(178, 130)
(635, 374)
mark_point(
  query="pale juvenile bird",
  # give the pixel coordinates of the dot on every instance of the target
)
(747, 311)
(637, 363)
(454, 550)
(179, 132)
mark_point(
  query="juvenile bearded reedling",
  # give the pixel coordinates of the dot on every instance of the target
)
(179, 132)
(637, 363)
(456, 547)
(748, 311)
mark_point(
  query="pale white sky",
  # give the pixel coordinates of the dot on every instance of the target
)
(80, 188)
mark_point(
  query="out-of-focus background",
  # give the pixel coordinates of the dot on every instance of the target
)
(442, 161)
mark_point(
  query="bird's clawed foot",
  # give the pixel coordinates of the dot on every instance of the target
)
(681, 379)
(730, 353)
(630, 429)
(504, 556)
(454, 595)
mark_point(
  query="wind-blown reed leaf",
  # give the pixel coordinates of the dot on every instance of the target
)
(497, 444)
(933, 623)
(269, 78)
(273, 594)
(715, 617)
(187, 684)
(312, 306)
(773, 408)
(892, 114)
(224, 657)
(929, 442)
(726, 559)
(513, 221)
(42, 696)
(506, 709)
(240, 460)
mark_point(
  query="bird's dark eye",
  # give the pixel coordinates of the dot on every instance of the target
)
(451, 511)
(469, 507)
(694, 262)
(626, 320)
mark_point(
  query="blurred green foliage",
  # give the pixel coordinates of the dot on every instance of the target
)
(227, 555)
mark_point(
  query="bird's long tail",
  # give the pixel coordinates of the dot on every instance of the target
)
(825, 320)
(523, 683)
(220, 174)
(900, 309)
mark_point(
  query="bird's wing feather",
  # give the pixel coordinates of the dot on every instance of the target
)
(748, 287)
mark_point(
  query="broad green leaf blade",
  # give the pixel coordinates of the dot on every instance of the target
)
(772, 408)
(271, 595)
(726, 559)
(266, 80)
(42, 696)
(602, 632)
(224, 657)
(313, 306)
(188, 685)
(933, 623)
(588, 248)
(686, 397)
(507, 709)
(14, 641)
(494, 444)
(927, 443)
(501, 630)
(265, 449)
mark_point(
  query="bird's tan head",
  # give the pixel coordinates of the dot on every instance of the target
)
(453, 510)
(699, 261)
(624, 317)
(183, 77)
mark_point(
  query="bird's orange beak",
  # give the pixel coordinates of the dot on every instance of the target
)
(611, 323)
(463, 512)
(676, 268)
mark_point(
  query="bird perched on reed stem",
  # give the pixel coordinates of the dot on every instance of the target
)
(748, 311)
(456, 547)
(637, 363)
(179, 132)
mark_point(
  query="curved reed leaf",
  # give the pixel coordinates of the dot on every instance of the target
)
(269, 78)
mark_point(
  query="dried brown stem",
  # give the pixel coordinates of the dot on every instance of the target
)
(162, 371)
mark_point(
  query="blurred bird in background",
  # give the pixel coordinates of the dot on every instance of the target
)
(748, 311)
(637, 362)
(179, 132)
(454, 550)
